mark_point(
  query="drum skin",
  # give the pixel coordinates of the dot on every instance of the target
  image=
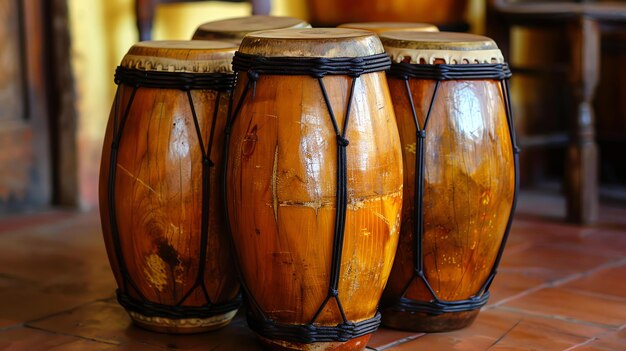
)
(281, 188)
(469, 186)
(158, 203)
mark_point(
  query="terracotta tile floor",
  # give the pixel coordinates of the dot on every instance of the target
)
(560, 287)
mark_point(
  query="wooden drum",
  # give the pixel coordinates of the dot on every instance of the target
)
(313, 185)
(460, 165)
(381, 27)
(234, 29)
(160, 200)
(334, 12)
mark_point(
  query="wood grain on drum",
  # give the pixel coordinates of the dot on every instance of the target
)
(281, 197)
(468, 192)
(158, 196)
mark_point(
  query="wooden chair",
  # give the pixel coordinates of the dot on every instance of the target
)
(145, 9)
(585, 21)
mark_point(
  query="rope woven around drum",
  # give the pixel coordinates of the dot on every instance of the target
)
(439, 73)
(317, 68)
(219, 82)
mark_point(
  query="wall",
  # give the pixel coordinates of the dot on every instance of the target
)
(101, 33)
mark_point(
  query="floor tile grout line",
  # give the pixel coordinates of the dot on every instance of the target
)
(504, 335)
(584, 343)
(101, 341)
(558, 317)
(400, 341)
(11, 327)
(598, 295)
(559, 282)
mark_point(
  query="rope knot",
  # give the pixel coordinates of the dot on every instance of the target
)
(342, 141)
(333, 292)
(253, 75)
(421, 134)
(207, 162)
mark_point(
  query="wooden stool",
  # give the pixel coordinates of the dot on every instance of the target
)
(585, 22)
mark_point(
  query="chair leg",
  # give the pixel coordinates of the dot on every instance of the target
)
(582, 153)
(144, 10)
(261, 7)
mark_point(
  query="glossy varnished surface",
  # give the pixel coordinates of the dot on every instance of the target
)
(334, 12)
(468, 189)
(158, 198)
(281, 188)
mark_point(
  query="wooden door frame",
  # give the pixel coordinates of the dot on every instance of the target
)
(49, 102)
(62, 106)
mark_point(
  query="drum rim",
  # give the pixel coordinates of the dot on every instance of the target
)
(190, 56)
(312, 42)
(452, 41)
(440, 47)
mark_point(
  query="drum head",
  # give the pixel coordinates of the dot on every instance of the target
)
(449, 47)
(381, 27)
(237, 28)
(312, 42)
(198, 56)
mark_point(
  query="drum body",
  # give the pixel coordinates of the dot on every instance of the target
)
(234, 29)
(381, 27)
(459, 184)
(334, 12)
(283, 180)
(161, 209)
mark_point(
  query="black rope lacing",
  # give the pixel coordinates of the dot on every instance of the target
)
(174, 80)
(311, 66)
(498, 71)
(220, 82)
(317, 68)
(439, 73)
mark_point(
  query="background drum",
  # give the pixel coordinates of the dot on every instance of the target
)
(381, 27)
(313, 185)
(162, 215)
(449, 13)
(460, 162)
(236, 28)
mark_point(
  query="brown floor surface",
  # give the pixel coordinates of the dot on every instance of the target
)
(560, 287)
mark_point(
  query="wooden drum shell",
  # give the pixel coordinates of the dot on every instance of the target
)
(334, 12)
(469, 187)
(158, 204)
(281, 188)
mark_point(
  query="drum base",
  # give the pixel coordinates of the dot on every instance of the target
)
(182, 326)
(423, 322)
(356, 344)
